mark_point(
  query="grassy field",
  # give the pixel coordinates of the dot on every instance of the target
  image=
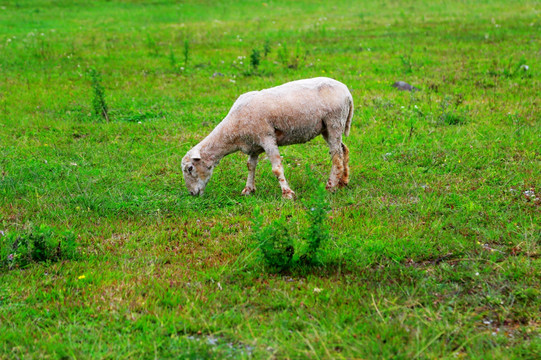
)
(435, 245)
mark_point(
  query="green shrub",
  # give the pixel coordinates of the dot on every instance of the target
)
(277, 240)
(38, 244)
(317, 233)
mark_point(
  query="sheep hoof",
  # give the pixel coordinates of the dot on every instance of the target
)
(248, 191)
(343, 183)
(288, 194)
(330, 187)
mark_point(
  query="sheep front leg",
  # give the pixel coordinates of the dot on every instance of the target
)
(250, 182)
(278, 170)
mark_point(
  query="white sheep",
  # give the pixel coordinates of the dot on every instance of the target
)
(260, 121)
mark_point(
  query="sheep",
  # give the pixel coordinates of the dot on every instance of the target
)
(260, 121)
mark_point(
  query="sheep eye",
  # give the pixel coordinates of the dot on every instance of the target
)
(190, 168)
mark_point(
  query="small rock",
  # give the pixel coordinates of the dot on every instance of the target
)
(404, 86)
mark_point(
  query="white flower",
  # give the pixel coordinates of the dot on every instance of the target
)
(317, 290)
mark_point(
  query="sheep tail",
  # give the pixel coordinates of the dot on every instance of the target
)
(350, 115)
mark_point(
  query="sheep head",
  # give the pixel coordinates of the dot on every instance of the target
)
(196, 172)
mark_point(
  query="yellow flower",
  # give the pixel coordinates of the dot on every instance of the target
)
(81, 277)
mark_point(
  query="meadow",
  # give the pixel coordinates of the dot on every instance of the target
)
(435, 245)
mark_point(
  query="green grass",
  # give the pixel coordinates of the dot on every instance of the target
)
(435, 245)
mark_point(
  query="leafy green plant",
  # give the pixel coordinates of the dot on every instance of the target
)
(255, 58)
(450, 115)
(407, 64)
(300, 55)
(153, 49)
(38, 244)
(186, 52)
(172, 59)
(291, 61)
(266, 48)
(276, 240)
(317, 233)
(99, 104)
(283, 54)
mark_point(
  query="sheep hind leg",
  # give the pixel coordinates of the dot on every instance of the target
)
(344, 180)
(339, 169)
(250, 182)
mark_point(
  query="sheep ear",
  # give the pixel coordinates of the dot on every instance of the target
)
(195, 155)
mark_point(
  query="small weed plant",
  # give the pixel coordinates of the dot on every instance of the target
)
(38, 244)
(294, 61)
(255, 59)
(98, 95)
(317, 233)
(266, 48)
(186, 52)
(277, 240)
(450, 114)
(152, 46)
(172, 59)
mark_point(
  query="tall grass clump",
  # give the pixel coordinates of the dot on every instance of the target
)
(99, 104)
(38, 244)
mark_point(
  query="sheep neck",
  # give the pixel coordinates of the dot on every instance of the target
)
(217, 145)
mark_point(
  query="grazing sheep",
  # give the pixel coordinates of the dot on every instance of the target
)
(260, 121)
